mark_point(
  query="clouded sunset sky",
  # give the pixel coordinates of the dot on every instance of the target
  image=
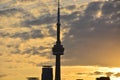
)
(90, 34)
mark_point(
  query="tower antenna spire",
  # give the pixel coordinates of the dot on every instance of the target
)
(58, 23)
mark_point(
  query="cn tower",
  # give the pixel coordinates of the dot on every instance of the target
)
(58, 49)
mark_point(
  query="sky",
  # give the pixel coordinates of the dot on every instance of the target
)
(90, 34)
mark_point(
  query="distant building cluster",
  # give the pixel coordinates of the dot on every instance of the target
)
(103, 78)
(33, 78)
(47, 75)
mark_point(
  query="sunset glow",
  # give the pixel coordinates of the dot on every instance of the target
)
(115, 70)
(90, 34)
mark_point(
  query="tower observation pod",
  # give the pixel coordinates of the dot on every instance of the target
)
(58, 49)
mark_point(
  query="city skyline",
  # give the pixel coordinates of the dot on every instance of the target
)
(90, 34)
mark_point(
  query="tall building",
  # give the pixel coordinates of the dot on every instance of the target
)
(103, 78)
(58, 49)
(47, 73)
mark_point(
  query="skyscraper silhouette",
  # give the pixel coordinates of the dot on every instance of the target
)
(47, 73)
(58, 49)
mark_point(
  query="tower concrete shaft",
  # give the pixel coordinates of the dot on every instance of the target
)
(57, 69)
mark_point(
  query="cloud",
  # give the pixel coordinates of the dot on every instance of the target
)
(3, 34)
(1, 54)
(2, 75)
(92, 73)
(90, 32)
(109, 8)
(117, 74)
(92, 8)
(27, 0)
(98, 73)
(18, 61)
(24, 35)
(71, 7)
(6, 4)
(80, 73)
(28, 35)
(10, 11)
(37, 51)
(47, 19)
(109, 73)
(91, 39)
